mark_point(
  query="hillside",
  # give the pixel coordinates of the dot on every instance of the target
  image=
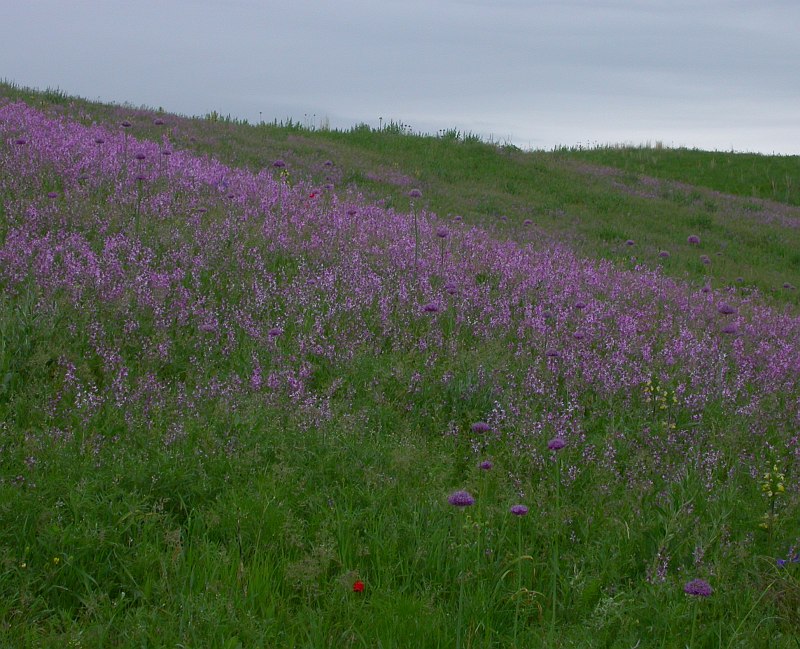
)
(248, 404)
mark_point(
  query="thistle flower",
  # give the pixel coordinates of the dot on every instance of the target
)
(461, 499)
(415, 193)
(279, 164)
(698, 588)
(519, 510)
(480, 427)
(556, 444)
(486, 465)
(663, 254)
(693, 239)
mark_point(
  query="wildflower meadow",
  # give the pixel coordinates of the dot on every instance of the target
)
(265, 407)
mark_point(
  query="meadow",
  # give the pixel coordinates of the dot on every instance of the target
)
(276, 386)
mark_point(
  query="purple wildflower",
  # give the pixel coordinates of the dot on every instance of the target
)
(158, 121)
(442, 232)
(458, 219)
(450, 288)
(580, 304)
(431, 307)
(556, 444)
(698, 588)
(20, 141)
(481, 427)
(630, 242)
(486, 465)
(99, 140)
(461, 499)
(726, 309)
(140, 156)
(275, 332)
(328, 163)
(730, 329)
(664, 254)
(552, 353)
(415, 193)
(527, 222)
(693, 239)
(125, 124)
(519, 510)
(279, 164)
(705, 259)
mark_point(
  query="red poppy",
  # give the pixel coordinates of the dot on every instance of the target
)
(358, 587)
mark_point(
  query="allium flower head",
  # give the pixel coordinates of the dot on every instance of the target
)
(415, 193)
(664, 254)
(279, 164)
(519, 510)
(693, 239)
(431, 307)
(442, 232)
(481, 427)
(461, 499)
(486, 465)
(698, 588)
(556, 444)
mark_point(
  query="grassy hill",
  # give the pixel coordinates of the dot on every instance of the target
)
(249, 405)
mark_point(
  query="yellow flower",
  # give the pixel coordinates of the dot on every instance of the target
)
(56, 560)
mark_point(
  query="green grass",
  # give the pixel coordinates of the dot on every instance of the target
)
(245, 523)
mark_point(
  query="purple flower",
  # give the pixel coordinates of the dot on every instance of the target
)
(20, 141)
(166, 152)
(481, 427)
(705, 259)
(125, 124)
(556, 444)
(450, 288)
(730, 329)
(461, 499)
(140, 156)
(725, 309)
(328, 163)
(486, 465)
(279, 164)
(442, 232)
(698, 588)
(431, 307)
(781, 563)
(52, 195)
(352, 211)
(630, 242)
(99, 140)
(552, 353)
(663, 254)
(158, 121)
(580, 304)
(706, 288)
(578, 335)
(458, 219)
(415, 193)
(275, 332)
(519, 510)
(693, 239)
(527, 222)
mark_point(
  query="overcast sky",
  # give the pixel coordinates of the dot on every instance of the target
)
(713, 74)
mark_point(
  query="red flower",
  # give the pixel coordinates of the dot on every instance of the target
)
(358, 587)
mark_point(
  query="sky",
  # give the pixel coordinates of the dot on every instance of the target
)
(709, 74)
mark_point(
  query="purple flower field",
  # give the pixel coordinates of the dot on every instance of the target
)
(256, 283)
(155, 299)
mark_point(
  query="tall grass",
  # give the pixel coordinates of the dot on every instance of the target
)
(216, 421)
